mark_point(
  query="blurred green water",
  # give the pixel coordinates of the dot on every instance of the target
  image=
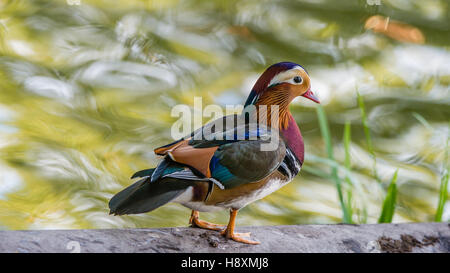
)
(86, 93)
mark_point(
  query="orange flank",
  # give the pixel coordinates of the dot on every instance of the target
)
(183, 153)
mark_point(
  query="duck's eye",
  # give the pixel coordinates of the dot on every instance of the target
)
(298, 79)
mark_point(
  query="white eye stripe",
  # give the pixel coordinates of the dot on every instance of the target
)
(287, 76)
(292, 80)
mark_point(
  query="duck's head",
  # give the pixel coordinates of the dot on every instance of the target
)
(279, 85)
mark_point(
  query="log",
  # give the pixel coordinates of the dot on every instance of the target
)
(408, 237)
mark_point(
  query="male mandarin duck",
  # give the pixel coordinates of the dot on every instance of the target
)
(216, 168)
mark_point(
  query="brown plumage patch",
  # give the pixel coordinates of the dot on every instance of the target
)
(182, 152)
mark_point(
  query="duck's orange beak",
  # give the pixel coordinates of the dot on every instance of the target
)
(310, 95)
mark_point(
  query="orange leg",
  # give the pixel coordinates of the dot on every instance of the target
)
(230, 234)
(195, 222)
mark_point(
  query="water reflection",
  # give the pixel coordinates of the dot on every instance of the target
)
(86, 94)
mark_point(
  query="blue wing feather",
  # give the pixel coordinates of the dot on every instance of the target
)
(222, 173)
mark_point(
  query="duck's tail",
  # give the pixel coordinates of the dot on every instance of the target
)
(144, 195)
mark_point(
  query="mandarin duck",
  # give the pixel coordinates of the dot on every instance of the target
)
(223, 166)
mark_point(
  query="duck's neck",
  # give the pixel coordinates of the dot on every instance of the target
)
(287, 125)
(293, 138)
(288, 130)
(264, 106)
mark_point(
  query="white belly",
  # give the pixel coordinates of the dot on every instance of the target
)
(271, 186)
(185, 200)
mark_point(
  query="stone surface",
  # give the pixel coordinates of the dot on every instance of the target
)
(411, 237)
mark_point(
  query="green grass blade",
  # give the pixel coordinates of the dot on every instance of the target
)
(367, 134)
(443, 188)
(347, 164)
(388, 210)
(364, 122)
(323, 123)
(347, 139)
(442, 197)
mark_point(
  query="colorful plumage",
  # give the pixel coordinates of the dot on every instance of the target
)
(228, 166)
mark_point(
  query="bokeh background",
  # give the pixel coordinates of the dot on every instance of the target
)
(87, 87)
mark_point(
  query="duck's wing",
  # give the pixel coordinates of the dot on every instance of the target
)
(229, 157)
(246, 161)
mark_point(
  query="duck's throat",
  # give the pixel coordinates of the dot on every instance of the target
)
(273, 108)
(274, 115)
